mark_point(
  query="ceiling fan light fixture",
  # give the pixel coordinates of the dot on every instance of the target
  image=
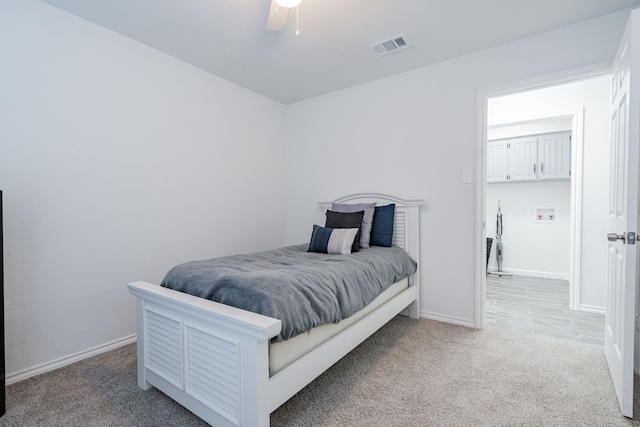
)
(288, 3)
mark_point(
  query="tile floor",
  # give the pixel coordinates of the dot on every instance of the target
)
(540, 307)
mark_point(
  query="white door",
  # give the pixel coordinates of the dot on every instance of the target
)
(623, 217)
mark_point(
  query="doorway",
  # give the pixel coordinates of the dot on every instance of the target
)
(583, 101)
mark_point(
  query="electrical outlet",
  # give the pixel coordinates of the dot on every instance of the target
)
(466, 177)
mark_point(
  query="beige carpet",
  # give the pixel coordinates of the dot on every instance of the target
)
(410, 373)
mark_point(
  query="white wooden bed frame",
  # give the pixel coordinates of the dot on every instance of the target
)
(213, 359)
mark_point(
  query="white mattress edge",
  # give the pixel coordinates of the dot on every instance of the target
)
(283, 353)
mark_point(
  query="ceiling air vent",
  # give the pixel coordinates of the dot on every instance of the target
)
(393, 44)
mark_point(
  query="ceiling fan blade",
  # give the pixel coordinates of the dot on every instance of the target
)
(277, 21)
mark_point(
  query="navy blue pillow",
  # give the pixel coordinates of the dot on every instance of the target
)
(382, 228)
(319, 239)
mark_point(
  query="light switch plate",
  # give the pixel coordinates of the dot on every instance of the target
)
(466, 177)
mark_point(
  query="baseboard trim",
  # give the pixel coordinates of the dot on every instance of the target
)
(447, 319)
(68, 360)
(532, 273)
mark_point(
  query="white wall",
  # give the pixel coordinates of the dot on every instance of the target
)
(593, 95)
(117, 162)
(531, 247)
(414, 134)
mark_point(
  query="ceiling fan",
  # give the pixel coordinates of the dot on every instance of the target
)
(279, 12)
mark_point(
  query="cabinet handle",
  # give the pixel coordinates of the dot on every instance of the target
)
(534, 168)
(541, 167)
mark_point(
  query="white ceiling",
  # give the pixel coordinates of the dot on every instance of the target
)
(229, 38)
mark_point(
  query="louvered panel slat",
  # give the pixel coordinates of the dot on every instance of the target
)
(225, 368)
(165, 349)
(158, 355)
(224, 399)
(163, 354)
(399, 228)
(166, 337)
(224, 353)
(225, 364)
(161, 323)
(225, 376)
(216, 381)
(213, 371)
(161, 320)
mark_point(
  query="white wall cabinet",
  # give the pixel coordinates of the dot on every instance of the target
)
(523, 154)
(497, 161)
(554, 156)
(530, 158)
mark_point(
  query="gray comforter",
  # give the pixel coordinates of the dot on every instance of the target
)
(302, 289)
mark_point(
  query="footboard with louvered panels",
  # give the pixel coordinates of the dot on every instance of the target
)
(214, 359)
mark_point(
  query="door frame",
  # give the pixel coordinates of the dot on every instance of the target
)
(483, 96)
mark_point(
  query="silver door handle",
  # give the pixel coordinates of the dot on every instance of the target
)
(612, 237)
(629, 237)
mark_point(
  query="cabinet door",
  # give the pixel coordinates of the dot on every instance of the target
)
(523, 154)
(497, 161)
(554, 156)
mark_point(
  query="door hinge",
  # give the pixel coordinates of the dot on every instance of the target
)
(637, 322)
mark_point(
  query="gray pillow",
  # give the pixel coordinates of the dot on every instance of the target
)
(367, 219)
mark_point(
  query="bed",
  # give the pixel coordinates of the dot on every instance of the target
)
(224, 364)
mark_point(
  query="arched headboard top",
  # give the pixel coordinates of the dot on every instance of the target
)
(381, 198)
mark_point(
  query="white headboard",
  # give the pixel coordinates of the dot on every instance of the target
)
(406, 224)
